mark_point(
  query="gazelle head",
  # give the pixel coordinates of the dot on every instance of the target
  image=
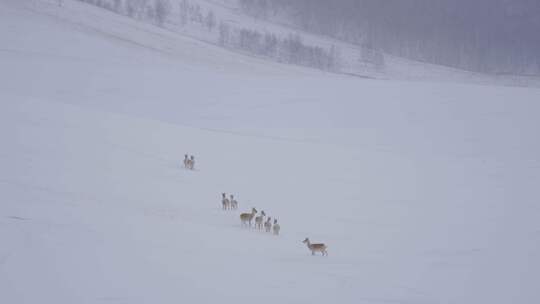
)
(192, 157)
(306, 241)
(268, 220)
(232, 196)
(223, 194)
(275, 221)
(262, 213)
(185, 156)
(253, 210)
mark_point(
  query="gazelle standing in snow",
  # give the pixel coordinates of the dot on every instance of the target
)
(225, 201)
(276, 227)
(186, 161)
(246, 218)
(315, 247)
(268, 224)
(259, 220)
(234, 203)
(191, 162)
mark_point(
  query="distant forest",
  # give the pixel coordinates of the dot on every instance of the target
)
(289, 49)
(490, 36)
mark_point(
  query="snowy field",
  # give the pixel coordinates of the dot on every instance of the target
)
(424, 192)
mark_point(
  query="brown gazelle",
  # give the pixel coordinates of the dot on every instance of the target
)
(246, 218)
(225, 201)
(276, 227)
(268, 224)
(316, 247)
(259, 220)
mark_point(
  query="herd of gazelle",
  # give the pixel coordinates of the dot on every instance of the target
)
(260, 223)
(228, 204)
(246, 218)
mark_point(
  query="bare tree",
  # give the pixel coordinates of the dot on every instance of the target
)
(224, 33)
(135, 8)
(195, 13)
(162, 10)
(372, 57)
(270, 44)
(184, 11)
(210, 20)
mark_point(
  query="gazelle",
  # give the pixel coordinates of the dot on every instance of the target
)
(186, 161)
(225, 201)
(316, 247)
(268, 224)
(246, 218)
(276, 227)
(234, 203)
(191, 162)
(259, 220)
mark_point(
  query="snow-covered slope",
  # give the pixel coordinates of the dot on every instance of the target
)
(424, 192)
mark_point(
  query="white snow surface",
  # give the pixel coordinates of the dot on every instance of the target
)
(424, 192)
